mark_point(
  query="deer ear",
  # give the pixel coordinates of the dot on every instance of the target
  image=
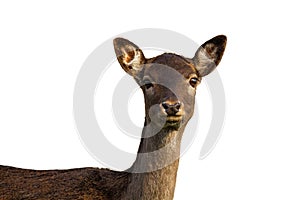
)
(209, 55)
(129, 56)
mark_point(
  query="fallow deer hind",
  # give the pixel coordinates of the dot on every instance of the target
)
(169, 83)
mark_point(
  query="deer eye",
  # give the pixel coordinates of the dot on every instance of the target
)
(148, 84)
(193, 82)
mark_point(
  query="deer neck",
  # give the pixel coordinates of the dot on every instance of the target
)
(153, 174)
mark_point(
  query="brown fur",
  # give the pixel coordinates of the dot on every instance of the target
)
(83, 183)
(153, 174)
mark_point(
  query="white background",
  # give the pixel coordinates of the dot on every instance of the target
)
(42, 48)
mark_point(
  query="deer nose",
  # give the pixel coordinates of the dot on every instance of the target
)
(171, 108)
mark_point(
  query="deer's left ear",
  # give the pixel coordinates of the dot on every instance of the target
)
(129, 55)
(209, 55)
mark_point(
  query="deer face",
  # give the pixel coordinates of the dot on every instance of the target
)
(169, 81)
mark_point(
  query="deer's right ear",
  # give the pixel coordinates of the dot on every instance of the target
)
(130, 56)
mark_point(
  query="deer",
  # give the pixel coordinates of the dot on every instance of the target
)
(169, 83)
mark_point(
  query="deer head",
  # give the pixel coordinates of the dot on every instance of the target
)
(169, 81)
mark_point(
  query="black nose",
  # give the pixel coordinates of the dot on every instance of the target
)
(171, 108)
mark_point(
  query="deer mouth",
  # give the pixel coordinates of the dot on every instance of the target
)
(173, 120)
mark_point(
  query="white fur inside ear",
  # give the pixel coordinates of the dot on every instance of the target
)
(134, 61)
(206, 61)
(211, 56)
(212, 49)
(204, 57)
